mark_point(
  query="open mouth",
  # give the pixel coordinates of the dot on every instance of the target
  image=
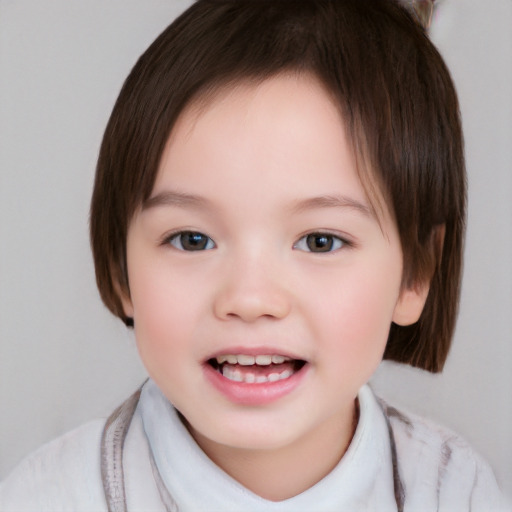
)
(259, 369)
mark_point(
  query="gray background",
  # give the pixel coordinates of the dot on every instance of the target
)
(64, 360)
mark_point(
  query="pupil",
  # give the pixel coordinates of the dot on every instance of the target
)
(193, 241)
(320, 243)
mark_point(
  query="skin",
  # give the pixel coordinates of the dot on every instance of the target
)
(267, 165)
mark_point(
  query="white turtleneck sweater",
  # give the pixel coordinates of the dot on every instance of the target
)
(438, 470)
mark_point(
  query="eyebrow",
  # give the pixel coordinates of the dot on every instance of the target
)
(173, 198)
(332, 201)
(183, 200)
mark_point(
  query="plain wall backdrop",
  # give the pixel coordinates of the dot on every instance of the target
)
(65, 360)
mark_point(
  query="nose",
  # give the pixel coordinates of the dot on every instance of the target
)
(252, 290)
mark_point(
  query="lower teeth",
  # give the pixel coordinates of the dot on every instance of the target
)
(251, 378)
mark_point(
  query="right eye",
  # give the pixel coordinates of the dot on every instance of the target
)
(191, 241)
(320, 243)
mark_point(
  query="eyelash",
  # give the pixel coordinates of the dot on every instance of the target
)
(201, 242)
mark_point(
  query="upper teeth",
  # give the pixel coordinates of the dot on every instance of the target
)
(245, 360)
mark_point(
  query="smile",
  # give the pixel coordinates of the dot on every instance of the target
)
(260, 369)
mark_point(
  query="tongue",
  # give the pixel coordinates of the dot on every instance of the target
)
(263, 370)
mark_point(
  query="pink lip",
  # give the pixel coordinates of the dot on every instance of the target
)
(254, 394)
(254, 351)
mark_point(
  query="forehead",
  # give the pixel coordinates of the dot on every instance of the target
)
(243, 99)
(284, 129)
(291, 108)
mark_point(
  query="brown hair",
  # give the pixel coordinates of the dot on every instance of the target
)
(397, 100)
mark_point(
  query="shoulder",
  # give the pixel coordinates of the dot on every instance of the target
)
(61, 475)
(439, 468)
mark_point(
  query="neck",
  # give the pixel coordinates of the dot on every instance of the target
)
(279, 474)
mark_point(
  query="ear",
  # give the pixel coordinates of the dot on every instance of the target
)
(411, 300)
(410, 304)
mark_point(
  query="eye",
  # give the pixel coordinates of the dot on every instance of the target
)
(191, 241)
(320, 242)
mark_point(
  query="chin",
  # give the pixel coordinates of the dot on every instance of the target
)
(259, 435)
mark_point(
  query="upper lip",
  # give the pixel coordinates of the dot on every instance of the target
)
(255, 351)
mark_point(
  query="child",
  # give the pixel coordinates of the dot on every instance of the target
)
(279, 204)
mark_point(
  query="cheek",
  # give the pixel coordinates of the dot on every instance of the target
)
(355, 316)
(165, 312)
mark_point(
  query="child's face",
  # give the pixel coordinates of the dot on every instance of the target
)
(287, 260)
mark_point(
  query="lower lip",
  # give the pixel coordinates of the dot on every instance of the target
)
(257, 393)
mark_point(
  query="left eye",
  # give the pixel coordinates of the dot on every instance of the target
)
(319, 242)
(191, 241)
